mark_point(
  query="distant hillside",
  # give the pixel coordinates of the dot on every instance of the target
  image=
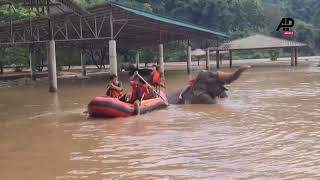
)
(241, 18)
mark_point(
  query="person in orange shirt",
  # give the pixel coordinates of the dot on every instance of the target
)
(156, 78)
(114, 88)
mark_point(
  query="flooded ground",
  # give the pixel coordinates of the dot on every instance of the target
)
(268, 128)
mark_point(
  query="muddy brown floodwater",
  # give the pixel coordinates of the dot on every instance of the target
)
(268, 128)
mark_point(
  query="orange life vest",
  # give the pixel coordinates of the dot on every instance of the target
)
(114, 93)
(156, 77)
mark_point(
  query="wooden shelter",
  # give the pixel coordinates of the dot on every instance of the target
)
(259, 41)
(130, 27)
(65, 23)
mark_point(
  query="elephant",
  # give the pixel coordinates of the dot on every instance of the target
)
(206, 88)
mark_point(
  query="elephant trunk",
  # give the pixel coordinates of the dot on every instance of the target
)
(230, 77)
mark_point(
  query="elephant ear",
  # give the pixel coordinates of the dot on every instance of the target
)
(217, 90)
(201, 84)
(209, 83)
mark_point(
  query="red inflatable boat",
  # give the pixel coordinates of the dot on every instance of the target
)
(111, 107)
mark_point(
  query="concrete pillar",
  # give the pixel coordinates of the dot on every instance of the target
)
(230, 62)
(218, 59)
(32, 74)
(292, 57)
(113, 57)
(296, 56)
(189, 60)
(52, 67)
(137, 59)
(161, 61)
(208, 59)
(83, 64)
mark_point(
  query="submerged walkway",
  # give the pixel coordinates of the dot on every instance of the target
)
(170, 66)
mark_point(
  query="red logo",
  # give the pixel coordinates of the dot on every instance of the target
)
(288, 33)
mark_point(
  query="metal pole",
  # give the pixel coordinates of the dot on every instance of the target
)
(296, 56)
(292, 57)
(95, 27)
(31, 64)
(111, 24)
(165, 100)
(11, 28)
(137, 59)
(208, 59)
(83, 64)
(161, 61)
(218, 59)
(189, 59)
(50, 37)
(230, 62)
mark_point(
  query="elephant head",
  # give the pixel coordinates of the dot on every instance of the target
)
(207, 86)
(209, 82)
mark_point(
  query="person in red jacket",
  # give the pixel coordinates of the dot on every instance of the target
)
(139, 92)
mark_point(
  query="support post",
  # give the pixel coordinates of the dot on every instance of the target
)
(113, 57)
(218, 59)
(83, 64)
(208, 59)
(52, 62)
(292, 57)
(137, 59)
(112, 48)
(32, 74)
(111, 24)
(230, 62)
(52, 68)
(296, 56)
(189, 59)
(161, 61)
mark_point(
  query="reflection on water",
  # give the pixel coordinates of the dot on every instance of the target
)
(268, 128)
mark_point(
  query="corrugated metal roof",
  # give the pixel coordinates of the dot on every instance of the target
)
(259, 41)
(170, 20)
(134, 29)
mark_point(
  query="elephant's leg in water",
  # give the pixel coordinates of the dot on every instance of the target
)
(230, 77)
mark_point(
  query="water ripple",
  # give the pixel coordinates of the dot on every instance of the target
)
(263, 131)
